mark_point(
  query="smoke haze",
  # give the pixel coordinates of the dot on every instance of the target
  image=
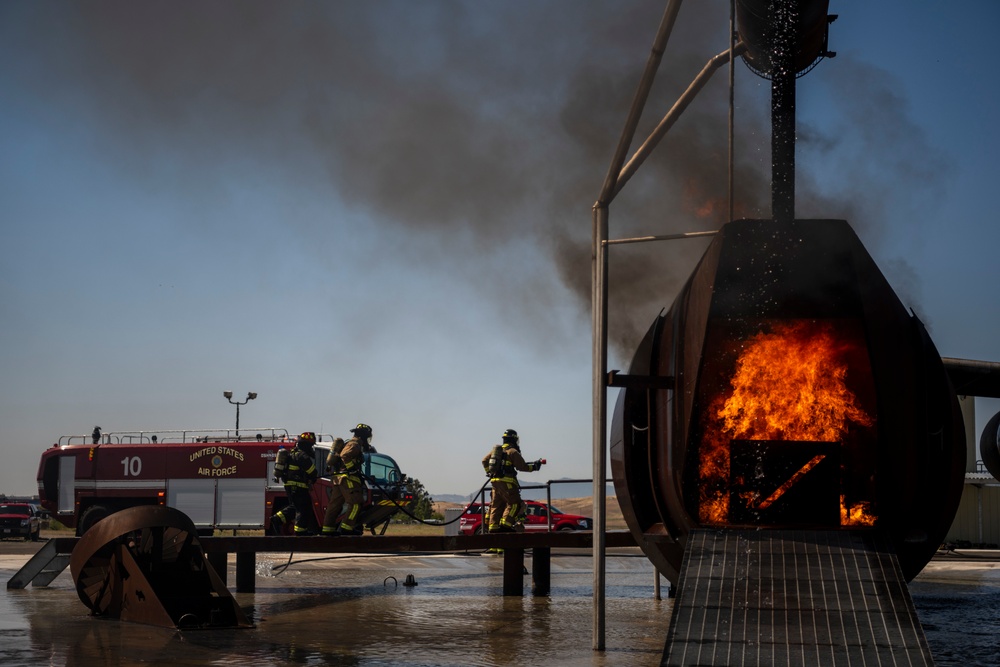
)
(478, 133)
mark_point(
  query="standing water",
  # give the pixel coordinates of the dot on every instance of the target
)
(356, 610)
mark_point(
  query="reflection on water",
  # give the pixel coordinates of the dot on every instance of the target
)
(358, 612)
(350, 615)
(962, 622)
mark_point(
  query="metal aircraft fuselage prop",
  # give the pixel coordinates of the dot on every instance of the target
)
(146, 565)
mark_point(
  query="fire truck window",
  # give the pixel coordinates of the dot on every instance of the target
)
(379, 470)
(320, 460)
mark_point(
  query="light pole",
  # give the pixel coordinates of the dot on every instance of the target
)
(229, 397)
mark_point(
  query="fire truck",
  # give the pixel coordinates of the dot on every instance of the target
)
(221, 479)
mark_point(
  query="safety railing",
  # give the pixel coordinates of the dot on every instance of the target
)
(548, 496)
(177, 436)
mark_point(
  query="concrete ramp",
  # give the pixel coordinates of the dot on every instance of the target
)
(792, 597)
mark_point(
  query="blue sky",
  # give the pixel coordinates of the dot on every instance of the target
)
(380, 212)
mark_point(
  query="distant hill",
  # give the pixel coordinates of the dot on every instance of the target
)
(529, 492)
(449, 498)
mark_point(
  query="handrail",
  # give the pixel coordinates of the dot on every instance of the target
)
(548, 495)
(276, 434)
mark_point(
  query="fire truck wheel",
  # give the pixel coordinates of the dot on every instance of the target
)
(35, 535)
(93, 514)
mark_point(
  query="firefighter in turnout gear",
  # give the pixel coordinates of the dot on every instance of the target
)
(345, 464)
(501, 465)
(298, 476)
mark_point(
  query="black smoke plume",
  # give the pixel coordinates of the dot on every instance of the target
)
(487, 127)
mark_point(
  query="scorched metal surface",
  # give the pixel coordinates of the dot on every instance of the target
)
(802, 394)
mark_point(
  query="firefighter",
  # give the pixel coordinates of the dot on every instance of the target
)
(346, 463)
(298, 476)
(501, 464)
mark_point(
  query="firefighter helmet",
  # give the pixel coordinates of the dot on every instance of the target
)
(306, 440)
(510, 438)
(362, 431)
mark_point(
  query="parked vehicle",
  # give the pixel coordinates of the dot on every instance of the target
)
(221, 480)
(19, 520)
(538, 518)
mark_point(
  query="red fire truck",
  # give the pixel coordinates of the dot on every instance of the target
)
(220, 478)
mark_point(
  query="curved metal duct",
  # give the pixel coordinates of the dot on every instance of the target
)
(989, 446)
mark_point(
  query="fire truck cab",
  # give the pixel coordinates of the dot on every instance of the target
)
(220, 478)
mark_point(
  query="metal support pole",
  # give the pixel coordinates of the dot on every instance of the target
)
(732, 79)
(246, 572)
(220, 563)
(600, 396)
(600, 312)
(541, 570)
(979, 502)
(675, 112)
(513, 571)
(660, 237)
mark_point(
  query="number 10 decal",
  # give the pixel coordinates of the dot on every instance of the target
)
(133, 466)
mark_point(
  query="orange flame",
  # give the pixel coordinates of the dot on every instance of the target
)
(789, 384)
(705, 205)
(859, 514)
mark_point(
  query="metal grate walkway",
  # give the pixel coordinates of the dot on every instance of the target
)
(791, 597)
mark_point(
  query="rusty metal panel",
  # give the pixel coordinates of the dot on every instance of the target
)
(146, 565)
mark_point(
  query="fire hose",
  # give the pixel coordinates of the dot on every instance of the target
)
(408, 513)
(278, 569)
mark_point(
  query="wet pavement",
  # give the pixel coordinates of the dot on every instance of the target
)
(355, 610)
(957, 598)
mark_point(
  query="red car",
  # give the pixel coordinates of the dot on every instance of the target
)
(19, 520)
(537, 519)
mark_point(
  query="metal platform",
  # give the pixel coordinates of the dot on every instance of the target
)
(786, 597)
(52, 558)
